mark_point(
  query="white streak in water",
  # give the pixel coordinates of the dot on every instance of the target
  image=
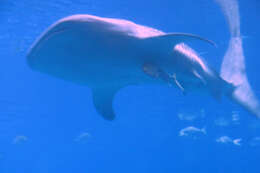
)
(82, 137)
(20, 139)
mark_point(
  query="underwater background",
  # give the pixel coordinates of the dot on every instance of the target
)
(50, 125)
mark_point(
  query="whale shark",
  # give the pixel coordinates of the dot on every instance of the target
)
(108, 54)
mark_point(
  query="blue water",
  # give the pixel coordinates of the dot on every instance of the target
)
(50, 125)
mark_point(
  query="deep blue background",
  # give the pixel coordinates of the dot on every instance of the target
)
(51, 114)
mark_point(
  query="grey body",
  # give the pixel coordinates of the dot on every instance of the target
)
(109, 54)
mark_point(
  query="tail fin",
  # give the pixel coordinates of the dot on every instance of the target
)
(233, 65)
(233, 71)
(244, 96)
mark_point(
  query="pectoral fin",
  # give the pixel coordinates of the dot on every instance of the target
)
(103, 101)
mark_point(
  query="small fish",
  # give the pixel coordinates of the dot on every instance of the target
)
(191, 130)
(227, 139)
